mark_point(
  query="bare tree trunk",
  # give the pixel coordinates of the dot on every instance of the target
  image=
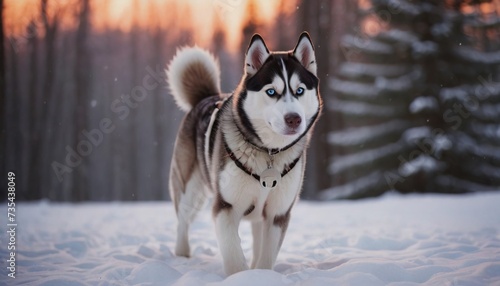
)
(343, 22)
(316, 177)
(250, 27)
(3, 112)
(34, 191)
(82, 84)
(58, 114)
(133, 152)
(19, 136)
(115, 170)
(159, 112)
(283, 29)
(51, 27)
(49, 104)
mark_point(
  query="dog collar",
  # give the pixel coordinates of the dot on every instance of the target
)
(245, 169)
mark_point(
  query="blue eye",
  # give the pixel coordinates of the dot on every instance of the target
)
(271, 92)
(300, 91)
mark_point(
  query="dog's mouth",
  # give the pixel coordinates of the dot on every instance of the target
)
(287, 131)
(290, 132)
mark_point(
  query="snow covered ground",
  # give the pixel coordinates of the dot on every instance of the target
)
(393, 240)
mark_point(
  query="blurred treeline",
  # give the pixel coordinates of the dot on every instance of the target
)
(411, 92)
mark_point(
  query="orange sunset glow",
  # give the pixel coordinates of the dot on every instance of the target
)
(200, 16)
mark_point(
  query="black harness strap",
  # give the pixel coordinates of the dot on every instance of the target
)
(290, 167)
(238, 162)
(271, 152)
(240, 165)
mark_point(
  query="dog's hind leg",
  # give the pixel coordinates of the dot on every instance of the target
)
(188, 203)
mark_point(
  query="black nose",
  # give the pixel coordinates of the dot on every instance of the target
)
(293, 120)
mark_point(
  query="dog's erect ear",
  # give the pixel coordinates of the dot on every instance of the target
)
(304, 52)
(256, 55)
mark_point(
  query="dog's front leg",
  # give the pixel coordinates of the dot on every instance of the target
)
(257, 228)
(274, 230)
(226, 227)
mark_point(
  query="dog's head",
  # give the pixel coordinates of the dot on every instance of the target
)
(279, 99)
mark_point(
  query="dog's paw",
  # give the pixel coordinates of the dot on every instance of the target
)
(182, 249)
(232, 268)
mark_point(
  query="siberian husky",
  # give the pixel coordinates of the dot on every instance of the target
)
(246, 149)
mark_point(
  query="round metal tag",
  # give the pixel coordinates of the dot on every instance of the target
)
(270, 178)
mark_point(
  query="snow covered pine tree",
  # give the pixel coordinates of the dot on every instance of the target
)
(420, 100)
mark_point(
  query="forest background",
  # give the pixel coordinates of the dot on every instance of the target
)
(411, 92)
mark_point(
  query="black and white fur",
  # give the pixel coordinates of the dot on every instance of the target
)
(226, 140)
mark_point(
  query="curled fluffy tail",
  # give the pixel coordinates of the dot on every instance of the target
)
(192, 75)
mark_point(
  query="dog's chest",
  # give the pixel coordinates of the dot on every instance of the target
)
(246, 194)
(232, 164)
